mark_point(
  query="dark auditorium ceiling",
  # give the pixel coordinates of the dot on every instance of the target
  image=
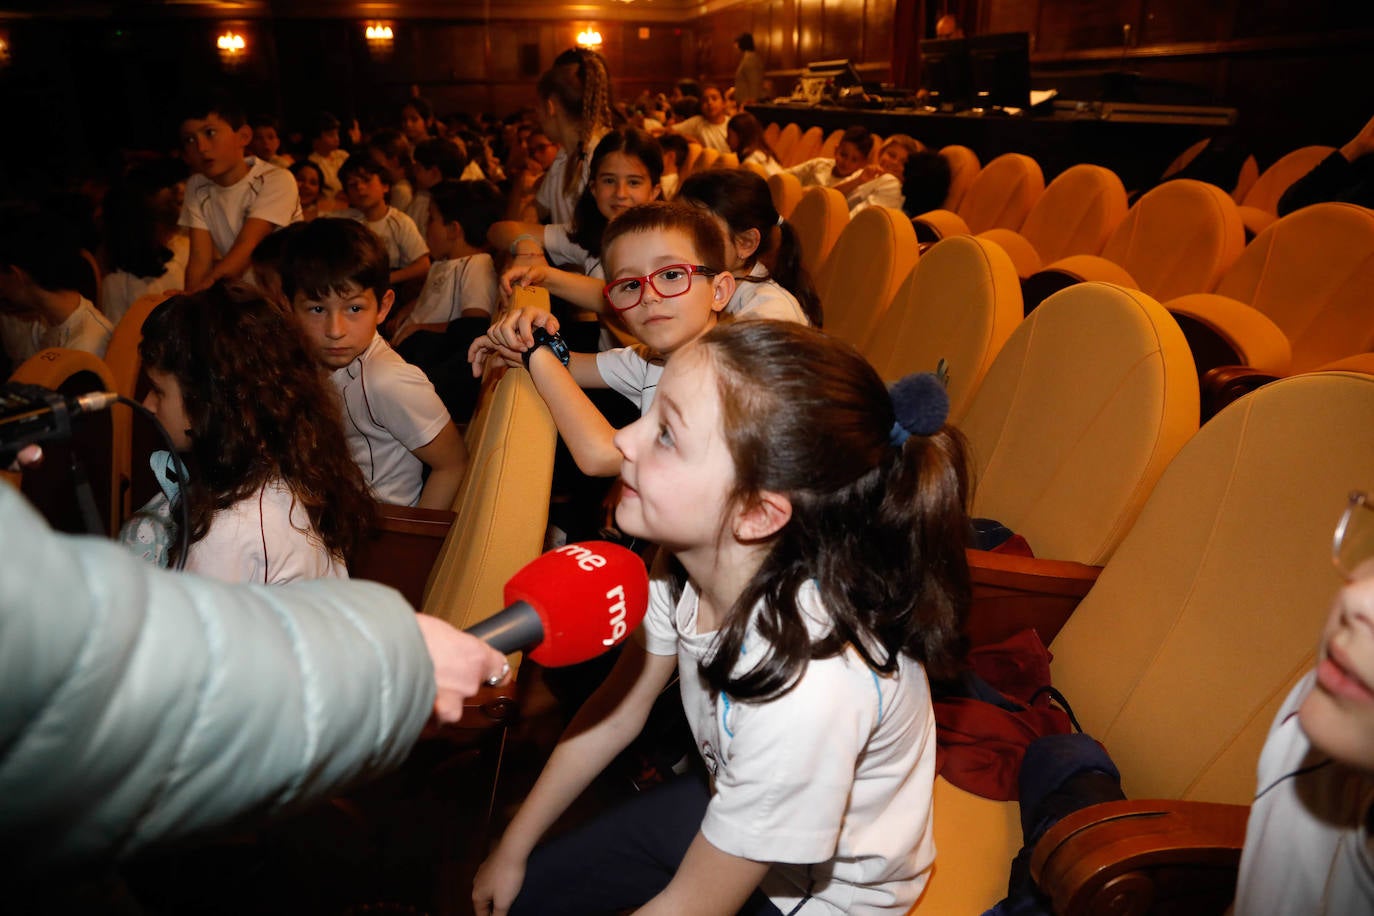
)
(341, 9)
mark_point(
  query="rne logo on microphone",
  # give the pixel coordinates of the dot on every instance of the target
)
(587, 561)
(617, 615)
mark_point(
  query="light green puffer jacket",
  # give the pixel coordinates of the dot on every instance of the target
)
(139, 706)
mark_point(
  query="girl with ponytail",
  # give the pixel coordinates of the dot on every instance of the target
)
(814, 526)
(574, 110)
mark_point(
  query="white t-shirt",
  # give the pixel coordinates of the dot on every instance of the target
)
(704, 132)
(390, 409)
(120, 289)
(819, 171)
(883, 191)
(559, 248)
(404, 243)
(85, 329)
(265, 539)
(401, 195)
(418, 210)
(329, 165)
(764, 298)
(830, 783)
(759, 157)
(632, 372)
(456, 284)
(1307, 846)
(551, 197)
(266, 192)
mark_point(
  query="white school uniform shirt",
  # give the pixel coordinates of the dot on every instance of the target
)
(390, 409)
(559, 248)
(831, 783)
(883, 191)
(763, 297)
(418, 210)
(265, 538)
(404, 243)
(84, 329)
(456, 284)
(265, 192)
(1308, 848)
(759, 157)
(555, 201)
(120, 289)
(704, 132)
(632, 371)
(329, 166)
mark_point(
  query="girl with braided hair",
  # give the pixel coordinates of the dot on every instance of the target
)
(574, 110)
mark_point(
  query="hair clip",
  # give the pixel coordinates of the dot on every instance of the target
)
(921, 405)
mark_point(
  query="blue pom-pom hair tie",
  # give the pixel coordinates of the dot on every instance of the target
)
(921, 404)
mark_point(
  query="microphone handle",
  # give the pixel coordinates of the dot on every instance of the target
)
(510, 630)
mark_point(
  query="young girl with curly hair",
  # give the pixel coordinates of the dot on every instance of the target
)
(272, 491)
(816, 524)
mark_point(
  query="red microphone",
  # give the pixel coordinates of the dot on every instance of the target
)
(571, 604)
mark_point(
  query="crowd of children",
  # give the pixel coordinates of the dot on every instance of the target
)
(332, 308)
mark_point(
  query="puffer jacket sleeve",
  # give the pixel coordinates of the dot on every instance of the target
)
(140, 706)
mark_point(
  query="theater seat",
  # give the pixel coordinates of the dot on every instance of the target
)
(1179, 238)
(1200, 624)
(1000, 197)
(808, 146)
(786, 191)
(1083, 408)
(963, 168)
(1297, 298)
(1260, 206)
(787, 142)
(873, 255)
(951, 316)
(771, 132)
(133, 436)
(52, 486)
(1077, 213)
(819, 218)
(832, 143)
(726, 161)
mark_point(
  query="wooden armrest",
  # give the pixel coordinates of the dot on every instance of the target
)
(938, 224)
(1142, 856)
(1012, 593)
(1224, 384)
(403, 549)
(1247, 332)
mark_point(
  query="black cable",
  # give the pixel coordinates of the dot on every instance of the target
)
(182, 477)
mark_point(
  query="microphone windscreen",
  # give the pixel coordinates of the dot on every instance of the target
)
(589, 596)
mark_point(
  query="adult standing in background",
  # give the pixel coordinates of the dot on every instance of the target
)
(749, 74)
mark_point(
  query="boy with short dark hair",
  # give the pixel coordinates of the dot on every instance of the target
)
(234, 200)
(335, 274)
(325, 151)
(435, 160)
(266, 142)
(367, 187)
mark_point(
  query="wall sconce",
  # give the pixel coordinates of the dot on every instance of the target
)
(590, 39)
(381, 40)
(232, 47)
(4, 49)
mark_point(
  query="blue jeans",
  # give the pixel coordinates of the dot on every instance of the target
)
(622, 858)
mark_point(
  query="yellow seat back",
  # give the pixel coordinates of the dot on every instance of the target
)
(952, 315)
(1081, 411)
(1179, 238)
(1077, 213)
(786, 190)
(1312, 274)
(1264, 194)
(809, 146)
(819, 218)
(1002, 194)
(874, 254)
(832, 143)
(787, 142)
(963, 168)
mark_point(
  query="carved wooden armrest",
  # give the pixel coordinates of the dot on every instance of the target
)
(1012, 593)
(1142, 857)
(403, 549)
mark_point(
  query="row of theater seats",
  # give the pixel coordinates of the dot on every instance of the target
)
(794, 145)
(1182, 574)
(1291, 300)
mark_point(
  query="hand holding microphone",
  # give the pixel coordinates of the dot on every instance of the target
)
(571, 604)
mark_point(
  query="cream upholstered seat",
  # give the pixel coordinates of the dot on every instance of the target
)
(963, 168)
(1179, 238)
(1199, 626)
(951, 316)
(832, 143)
(1000, 197)
(786, 191)
(819, 218)
(1077, 213)
(808, 146)
(787, 142)
(1299, 296)
(1079, 414)
(871, 258)
(1260, 206)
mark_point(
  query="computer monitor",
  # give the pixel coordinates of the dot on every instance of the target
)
(841, 72)
(945, 73)
(999, 67)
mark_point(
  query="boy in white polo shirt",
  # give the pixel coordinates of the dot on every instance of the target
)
(335, 274)
(368, 190)
(233, 201)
